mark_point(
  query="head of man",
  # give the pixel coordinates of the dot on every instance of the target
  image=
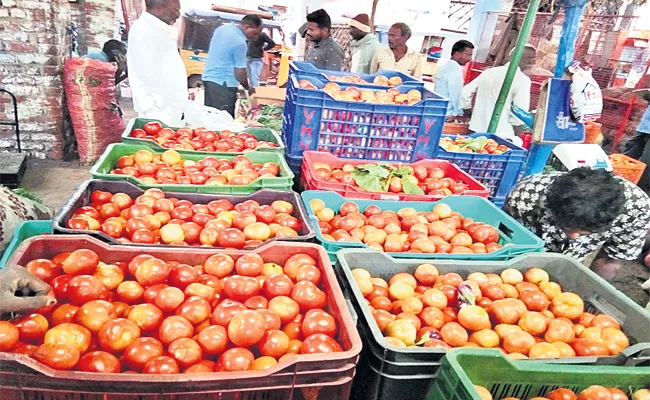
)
(585, 201)
(528, 57)
(167, 11)
(113, 49)
(360, 26)
(251, 25)
(319, 25)
(462, 52)
(398, 35)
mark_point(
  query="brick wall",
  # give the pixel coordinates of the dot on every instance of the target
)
(33, 47)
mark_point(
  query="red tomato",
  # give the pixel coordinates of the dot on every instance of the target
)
(561, 394)
(231, 238)
(309, 273)
(277, 285)
(241, 288)
(70, 334)
(141, 351)
(32, 327)
(249, 265)
(100, 197)
(224, 312)
(8, 336)
(81, 262)
(63, 313)
(274, 343)
(151, 128)
(94, 314)
(99, 361)
(219, 265)
(246, 328)
(152, 272)
(60, 356)
(236, 359)
(256, 303)
(318, 321)
(161, 366)
(117, 335)
(43, 269)
(146, 316)
(293, 264)
(319, 343)
(213, 339)
(195, 309)
(169, 299)
(308, 295)
(60, 286)
(272, 319)
(285, 307)
(185, 351)
(173, 328)
(84, 288)
(595, 392)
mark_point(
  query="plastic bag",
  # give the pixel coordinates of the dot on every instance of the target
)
(90, 98)
(197, 114)
(586, 96)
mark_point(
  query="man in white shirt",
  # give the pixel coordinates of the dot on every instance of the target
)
(157, 75)
(487, 87)
(398, 57)
(449, 77)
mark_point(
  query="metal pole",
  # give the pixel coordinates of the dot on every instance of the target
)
(526, 27)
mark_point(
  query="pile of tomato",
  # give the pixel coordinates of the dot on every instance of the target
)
(199, 139)
(525, 315)
(390, 96)
(169, 168)
(593, 392)
(432, 181)
(407, 230)
(153, 218)
(460, 144)
(379, 80)
(146, 315)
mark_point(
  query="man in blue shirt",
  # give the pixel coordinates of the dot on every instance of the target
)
(449, 77)
(638, 147)
(225, 69)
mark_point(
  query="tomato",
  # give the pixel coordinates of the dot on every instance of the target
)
(595, 392)
(213, 339)
(169, 298)
(274, 343)
(231, 238)
(94, 314)
(568, 305)
(277, 285)
(43, 269)
(173, 328)
(615, 340)
(141, 351)
(32, 327)
(533, 323)
(185, 351)
(202, 367)
(535, 300)
(256, 303)
(146, 316)
(474, 318)
(84, 288)
(70, 334)
(561, 394)
(240, 288)
(589, 348)
(544, 350)
(507, 311)
(195, 309)
(454, 334)
(181, 276)
(293, 264)
(81, 262)
(308, 295)
(161, 365)
(59, 356)
(224, 312)
(99, 361)
(319, 343)
(59, 285)
(151, 128)
(285, 307)
(117, 335)
(249, 265)
(9, 335)
(235, 359)
(485, 338)
(604, 321)
(130, 292)
(246, 328)
(518, 342)
(318, 321)
(63, 313)
(109, 275)
(152, 272)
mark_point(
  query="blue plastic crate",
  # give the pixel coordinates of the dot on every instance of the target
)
(498, 201)
(313, 120)
(308, 69)
(499, 172)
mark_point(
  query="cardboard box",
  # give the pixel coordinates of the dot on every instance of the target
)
(268, 95)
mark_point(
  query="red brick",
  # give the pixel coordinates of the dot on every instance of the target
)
(17, 47)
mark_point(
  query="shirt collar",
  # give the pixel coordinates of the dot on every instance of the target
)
(323, 42)
(239, 31)
(155, 21)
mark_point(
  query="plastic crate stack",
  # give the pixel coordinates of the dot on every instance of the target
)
(313, 120)
(305, 376)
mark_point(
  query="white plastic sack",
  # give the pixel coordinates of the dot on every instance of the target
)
(198, 114)
(586, 96)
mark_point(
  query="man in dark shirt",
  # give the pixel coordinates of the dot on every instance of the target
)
(326, 53)
(255, 56)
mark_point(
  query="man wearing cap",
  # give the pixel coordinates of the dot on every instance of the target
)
(363, 45)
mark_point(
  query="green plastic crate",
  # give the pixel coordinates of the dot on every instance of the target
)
(463, 368)
(263, 134)
(24, 231)
(103, 166)
(515, 238)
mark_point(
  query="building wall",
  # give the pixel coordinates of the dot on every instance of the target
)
(34, 44)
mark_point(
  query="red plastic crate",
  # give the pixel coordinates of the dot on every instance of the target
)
(311, 182)
(309, 377)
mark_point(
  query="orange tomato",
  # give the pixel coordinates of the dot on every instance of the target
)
(518, 342)
(486, 338)
(474, 318)
(595, 392)
(568, 305)
(533, 323)
(562, 394)
(565, 349)
(604, 321)
(454, 334)
(507, 311)
(544, 350)
(559, 330)
(615, 340)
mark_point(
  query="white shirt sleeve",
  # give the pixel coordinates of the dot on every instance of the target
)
(468, 91)
(520, 98)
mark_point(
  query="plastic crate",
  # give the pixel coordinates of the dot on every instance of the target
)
(313, 120)
(633, 171)
(514, 237)
(263, 134)
(312, 182)
(391, 366)
(499, 172)
(504, 377)
(308, 69)
(265, 196)
(23, 231)
(498, 201)
(103, 167)
(314, 376)
(452, 128)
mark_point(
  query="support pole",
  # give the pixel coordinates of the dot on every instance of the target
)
(526, 27)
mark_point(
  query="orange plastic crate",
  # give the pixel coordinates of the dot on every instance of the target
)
(627, 167)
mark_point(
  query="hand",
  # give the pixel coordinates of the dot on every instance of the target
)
(251, 91)
(20, 291)
(467, 113)
(120, 59)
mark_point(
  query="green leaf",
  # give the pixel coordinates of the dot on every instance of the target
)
(369, 182)
(475, 144)
(403, 172)
(409, 187)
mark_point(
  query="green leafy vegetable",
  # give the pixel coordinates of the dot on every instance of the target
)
(475, 144)
(409, 187)
(376, 177)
